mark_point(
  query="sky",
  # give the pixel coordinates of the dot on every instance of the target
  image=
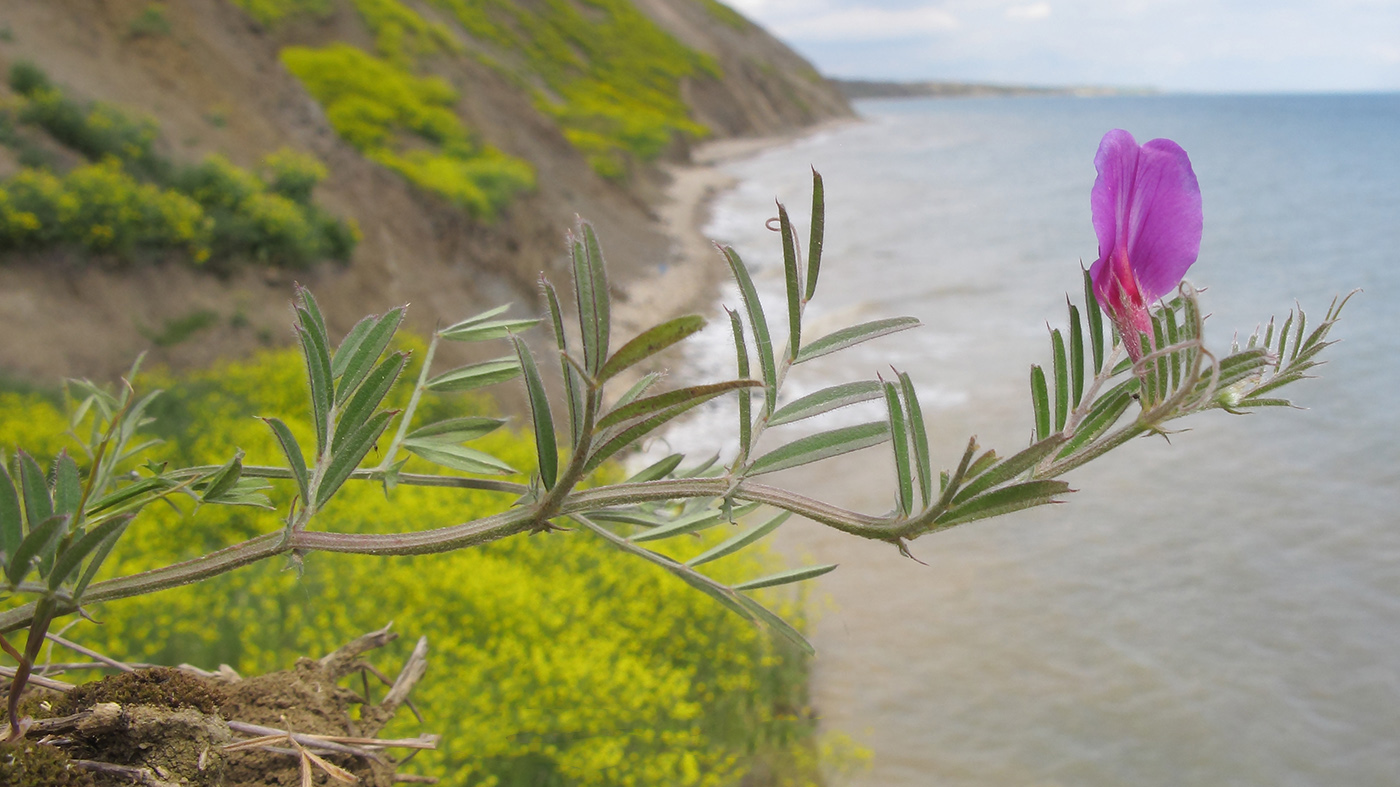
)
(1174, 45)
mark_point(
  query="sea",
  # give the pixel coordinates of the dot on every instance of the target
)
(1219, 606)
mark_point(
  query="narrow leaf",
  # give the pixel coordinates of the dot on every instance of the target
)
(492, 329)
(650, 342)
(776, 623)
(318, 372)
(99, 556)
(67, 487)
(899, 437)
(352, 341)
(1040, 401)
(41, 539)
(738, 542)
(657, 470)
(1061, 369)
(223, 479)
(11, 520)
(459, 457)
(741, 352)
(477, 375)
(368, 398)
(1095, 318)
(573, 381)
(591, 289)
(1005, 501)
(641, 428)
(1076, 356)
(918, 435)
(825, 400)
(70, 559)
(366, 355)
(540, 415)
(478, 318)
(793, 277)
(457, 430)
(1009, 468)
(1105, 412)
(295, 461)
(814, 243)
(691, 523)
(638, 388)
(350, 454)
(763, 341)
(824, 445)
(37, 505)
(785, 577)
(691, 396)
(856, 334)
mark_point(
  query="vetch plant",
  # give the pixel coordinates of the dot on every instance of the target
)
(56, 528)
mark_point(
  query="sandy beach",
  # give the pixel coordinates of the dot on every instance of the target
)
(687, 282)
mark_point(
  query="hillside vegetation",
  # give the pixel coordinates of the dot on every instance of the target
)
(438, 149)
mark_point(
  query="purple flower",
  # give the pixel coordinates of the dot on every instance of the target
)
(1147, 214)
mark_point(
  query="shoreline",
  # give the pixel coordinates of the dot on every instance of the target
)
(688, 280)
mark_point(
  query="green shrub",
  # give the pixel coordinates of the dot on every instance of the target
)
(376, 106)
(555, 659)
(26, 78)
(292, 174)
(102, 209)
(271, 12)
(150, 22)
(98, 131)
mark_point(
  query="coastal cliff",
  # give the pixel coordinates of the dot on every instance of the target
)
(578, 106)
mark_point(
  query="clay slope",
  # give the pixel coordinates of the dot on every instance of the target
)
(215, 84)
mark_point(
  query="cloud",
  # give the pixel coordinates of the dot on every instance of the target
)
(1028, 13)
(865, 23)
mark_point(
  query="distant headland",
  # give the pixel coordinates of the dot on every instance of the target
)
(865, 88)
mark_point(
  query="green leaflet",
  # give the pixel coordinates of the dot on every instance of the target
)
(368, 398)
(71, 559)
(11, 520)
(899, 438)
(657, 470)
(459, 457)
(856, 334)
(457, 430)
(792, 275)
(693, 395)
(763, 342)
(814, 243)
(919, 436)
(825, 400)
(650, 342)
(591, 290)
(477, 375)
(493, 329)
(545, 446)
(295, 460)
(1040, 402)
(1008, 468)
(817, 447)
(785, 577)
(347, 457)
(700, 520)
(1005, 501)
(364, 355)
(42, 538)
(738, 542)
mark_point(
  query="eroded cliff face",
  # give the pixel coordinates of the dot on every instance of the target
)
(214, 83)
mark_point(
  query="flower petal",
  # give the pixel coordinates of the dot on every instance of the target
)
(1146, 201)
